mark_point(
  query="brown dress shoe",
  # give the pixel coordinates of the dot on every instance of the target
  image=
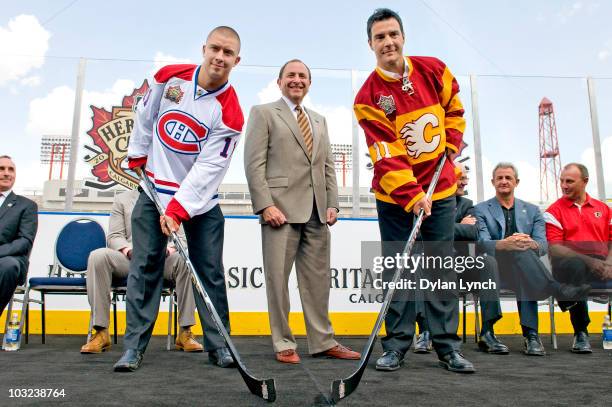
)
(288, 356)
(339, 352)
(99, 342)
(186, 342)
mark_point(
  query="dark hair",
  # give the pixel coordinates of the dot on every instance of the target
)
(381, 14)
(280, 73)
(226, 30)
(6, 156)
(584, 172)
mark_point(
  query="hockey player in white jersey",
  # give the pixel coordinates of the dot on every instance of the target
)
(186, 129)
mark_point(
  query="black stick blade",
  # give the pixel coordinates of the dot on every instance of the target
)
(266, 388)
(344, 387)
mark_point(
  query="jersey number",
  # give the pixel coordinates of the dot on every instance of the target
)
(224, 152)
(387, 153)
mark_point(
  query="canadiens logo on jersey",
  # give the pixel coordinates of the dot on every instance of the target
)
(174, 94)
(181, 132)
(386, 104)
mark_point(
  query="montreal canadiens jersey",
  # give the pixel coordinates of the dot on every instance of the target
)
(407, 130)
(186, 136)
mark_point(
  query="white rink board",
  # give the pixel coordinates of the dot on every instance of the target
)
(242, 252)
(241, 257)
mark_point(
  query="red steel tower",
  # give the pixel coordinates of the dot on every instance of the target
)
(550, 159)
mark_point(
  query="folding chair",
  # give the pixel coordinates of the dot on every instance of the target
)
(77, 239)
(599, 290)
(602, 289)
(23, 291)
(119, 287)
(505, 293)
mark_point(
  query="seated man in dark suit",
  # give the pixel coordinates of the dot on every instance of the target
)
(466, 231)
(513, 231)
(18, 225)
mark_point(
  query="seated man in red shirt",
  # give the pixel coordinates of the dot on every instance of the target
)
(579, 232)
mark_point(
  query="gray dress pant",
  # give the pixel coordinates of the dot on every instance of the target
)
(105, 264)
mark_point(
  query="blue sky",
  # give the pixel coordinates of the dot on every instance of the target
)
(41, 41)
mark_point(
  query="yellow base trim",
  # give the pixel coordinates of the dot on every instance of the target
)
(256, 323)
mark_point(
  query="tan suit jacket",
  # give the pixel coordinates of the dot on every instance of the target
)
(278, 169)
(120, 222)
(280, 172)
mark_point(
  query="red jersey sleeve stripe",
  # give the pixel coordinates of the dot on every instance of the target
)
(136, 162)
(182, 71)
(176, 211)
(231, 111)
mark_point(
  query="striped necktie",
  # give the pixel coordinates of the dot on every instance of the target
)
(304, 128)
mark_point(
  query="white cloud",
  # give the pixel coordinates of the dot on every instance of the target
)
(31, 177)
(31, 81)
(569, 11)
(270, 93)
(23, 45)
(527, 190)
(339, 122)
(160, 60)
(339, 118)
(52, 114)
(606, 50)
(588, 158)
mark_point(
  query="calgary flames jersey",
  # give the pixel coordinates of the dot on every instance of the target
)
(408, 125)
(186, 136)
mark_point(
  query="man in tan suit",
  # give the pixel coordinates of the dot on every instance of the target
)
(292, 181)
(114, 262)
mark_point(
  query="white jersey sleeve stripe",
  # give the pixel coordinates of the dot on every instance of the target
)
(551, 220)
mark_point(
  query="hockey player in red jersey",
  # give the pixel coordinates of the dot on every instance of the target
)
(411, 115)
(186, 129)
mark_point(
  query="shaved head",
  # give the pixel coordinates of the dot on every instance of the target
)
(225, 30)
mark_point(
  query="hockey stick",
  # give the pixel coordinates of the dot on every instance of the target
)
(343, 387)
(264, 388)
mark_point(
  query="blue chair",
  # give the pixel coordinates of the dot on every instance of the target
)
(77, 239)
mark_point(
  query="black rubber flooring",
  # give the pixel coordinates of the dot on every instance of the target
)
(173, 378)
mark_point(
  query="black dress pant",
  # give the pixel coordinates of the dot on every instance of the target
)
(441, 313)
(490, 306)
(145, 280)
(573, 270)
(11, 276)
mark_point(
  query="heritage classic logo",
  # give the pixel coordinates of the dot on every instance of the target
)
(387, 104)
(110, 133)
(181, 132)
(174, 94)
